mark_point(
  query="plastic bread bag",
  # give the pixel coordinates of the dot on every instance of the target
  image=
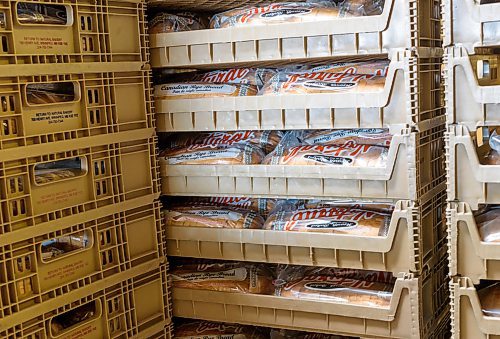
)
(50, 93)
(493, 157)
(168, 23)
(495, 141)
(379, 207)
(371, 67)
(198, 90)
(251, 76)
(362, 7)
(365, 275)
(266, 140)
(196, 329)
(283, 12)
(490, 300)
(262, 206)
(488, 223)
(224, 277)
(322, 82)
(54, 248)
(237, 154)
(33, 13)
(288, 334)
(335, 285)
(360, 136)
(349, 155)
(213, 217)
(336, 220)
(73, 317)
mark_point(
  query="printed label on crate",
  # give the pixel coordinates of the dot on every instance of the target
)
(89, 331)
(53, 40)
(52, 119)
(61, 195)
(66, 270)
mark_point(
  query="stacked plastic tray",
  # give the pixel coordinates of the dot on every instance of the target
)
(473, 111)
(410, 106)
(81, 237)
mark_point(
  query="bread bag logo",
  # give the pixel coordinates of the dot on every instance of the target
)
(285, 12)
(333, 225)
(323, 286)
(330, 160)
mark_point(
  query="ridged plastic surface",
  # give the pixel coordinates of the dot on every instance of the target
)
(97, 32)
(415, 235)
(470, 24)
(102, 104)
(136, 307)
(413, 313)
(467, 318)
(472, 100)
(469, 255)
(468, 180)
(410, 97)
(129, 242)
(402, 24)
(415, 170)
(113, 174)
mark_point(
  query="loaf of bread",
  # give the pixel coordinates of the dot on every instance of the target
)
(167, 23)
(340, 290)
(267, 140)
(197, 90)
(237, 154)
(262, 206)
(348, 273)
(488, 223)
(276, 13)
(359, 136)
(379, 207)
(286, 334)
(214, 217)
(490, 300)
(48, 14)
(322, 82)
(492, 158)
(225, 277)
(45, 176)
(338, 220)
(50, 93)
(372, 67)
(349, 155)
(213, 330)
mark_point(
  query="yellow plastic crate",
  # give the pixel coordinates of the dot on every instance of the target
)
(53, 264)
(109, 175)
(411, 97)
(136, 307)
(403, 24)
(99, 104)
(415, 235)
(472, 88)
(95, 32)
(416, 308)
(415, 170)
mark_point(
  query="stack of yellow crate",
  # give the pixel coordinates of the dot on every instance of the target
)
(81, 241)
(410, 106)
(473, 116)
